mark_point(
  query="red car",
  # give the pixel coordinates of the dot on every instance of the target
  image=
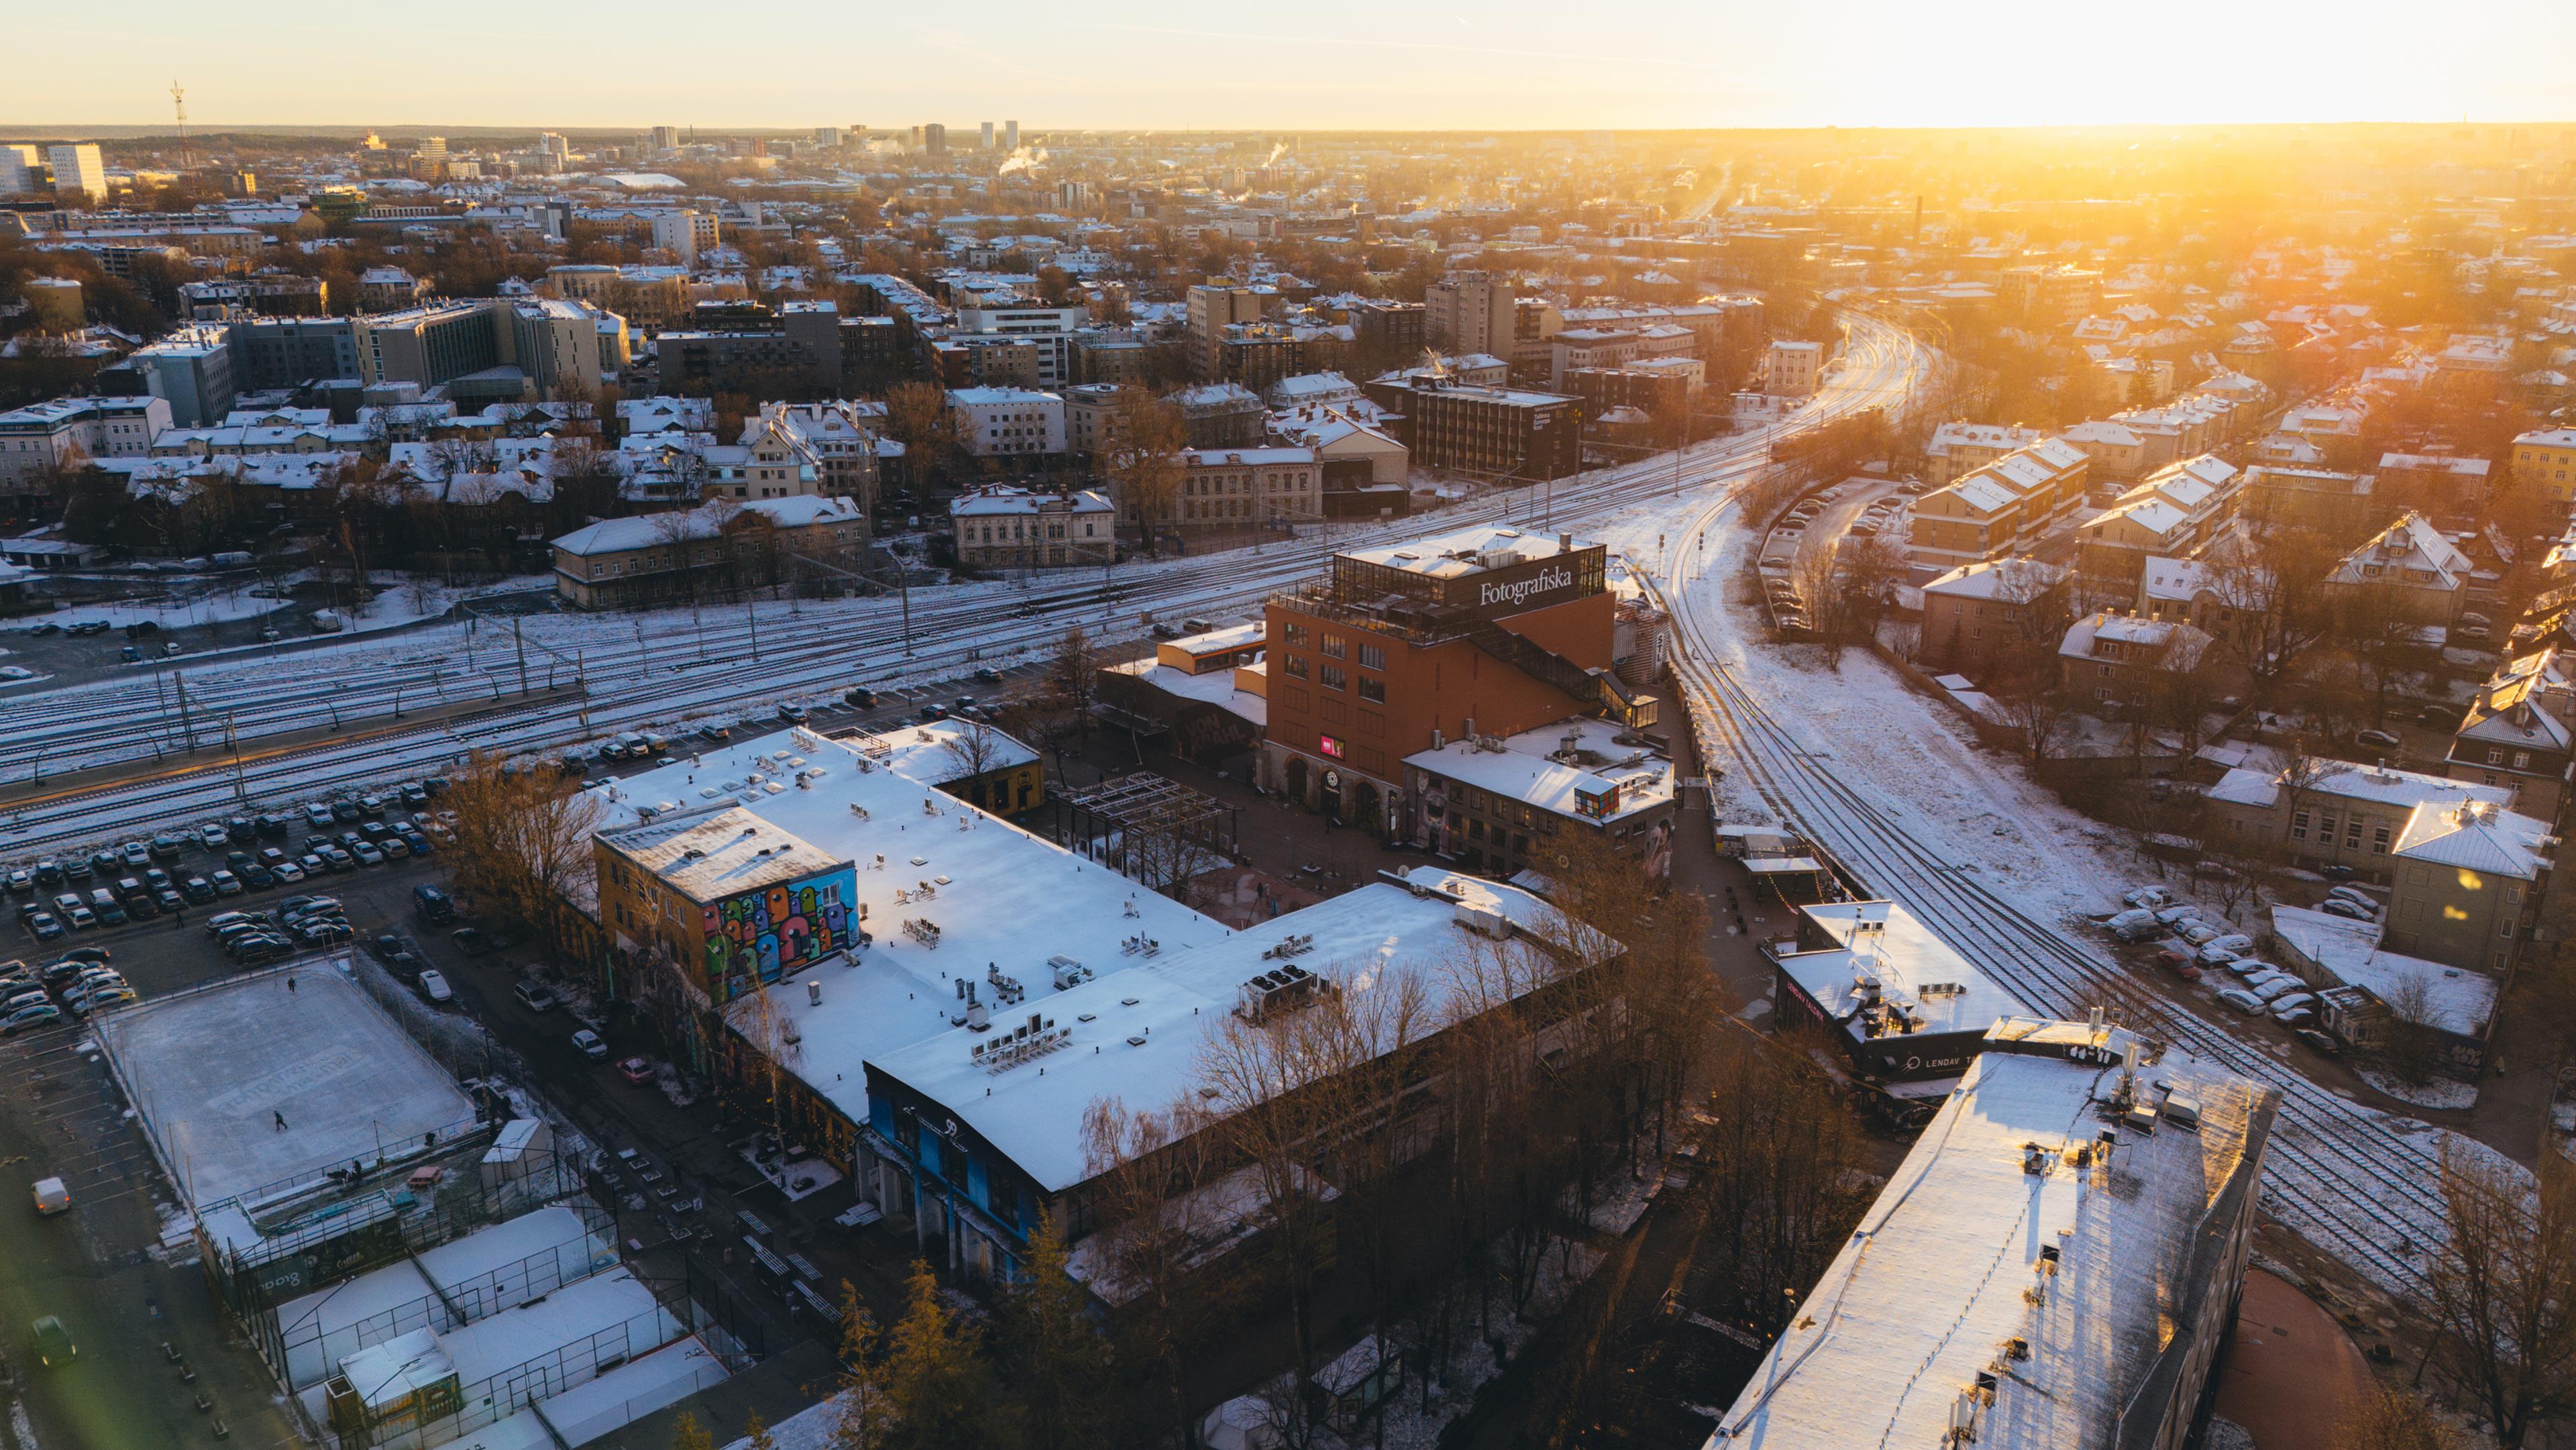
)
(636, 1069)
(2178, 963)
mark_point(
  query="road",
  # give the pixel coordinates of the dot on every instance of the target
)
(665, 670)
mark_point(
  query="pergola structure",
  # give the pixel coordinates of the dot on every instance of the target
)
(1150, 829)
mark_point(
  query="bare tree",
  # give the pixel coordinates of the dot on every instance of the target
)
(2274, 582)
(2410, 1044)
(523, 842)
(1073, 675)
(2503, 1290)
(932, 433)
(2393, 1420)
(1149, 1187)
(1141, 457)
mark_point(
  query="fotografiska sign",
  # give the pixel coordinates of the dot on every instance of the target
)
(1517, 591)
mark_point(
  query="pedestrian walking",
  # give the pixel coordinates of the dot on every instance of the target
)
(178, 919)
(280, 1117)
(290, 984)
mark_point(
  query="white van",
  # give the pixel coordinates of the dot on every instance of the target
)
(51, 1196)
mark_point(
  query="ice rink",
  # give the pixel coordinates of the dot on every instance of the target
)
(216, 1072)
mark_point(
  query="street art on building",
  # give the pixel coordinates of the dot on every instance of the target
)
(769, 933)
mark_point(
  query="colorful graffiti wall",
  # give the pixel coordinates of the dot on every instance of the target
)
(779, 929)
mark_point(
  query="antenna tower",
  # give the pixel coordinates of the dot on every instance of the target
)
(179, 103)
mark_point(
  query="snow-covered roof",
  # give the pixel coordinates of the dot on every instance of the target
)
(643, 531)
(936, 752)
(2475, 836)
(2014, 580)
(1002, 501)
(1946, 1265)
(2375, 785)
(1914, 970)
(1535, 767)
(1461, 552)
(1138, 1032)
(1215, 687)
(2178, 645)
(713, 854)
(2461, 1000)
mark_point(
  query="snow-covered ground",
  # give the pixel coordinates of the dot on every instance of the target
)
(2441, 1092)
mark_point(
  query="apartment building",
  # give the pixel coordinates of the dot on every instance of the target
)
(2002, 508)
(1792, 369)
(192, 370)
(2520, 732)
(80, 177)
(2545, 459)
(2472, 864)
(42, 437)
(1956, 448)
(2411, 563)
(1976, 611)
(1471, 312)
(752, 348)
(2178, 512)
(2341, 505)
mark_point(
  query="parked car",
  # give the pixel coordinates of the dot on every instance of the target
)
(470, 940)
(224, 882)
(39, 1014)
(2337, 906)
(433, 904)
(2320, 1041)
(53, 1342)
(637, 1070)
(434, 986)
(2150, 897)
(2240, 999)
(589, 1045)
(534, 996)
(859, 697)
(2381, 738)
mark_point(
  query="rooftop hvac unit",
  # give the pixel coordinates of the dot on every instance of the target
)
(978, 1016)
(1067, 972)
(1482, 920)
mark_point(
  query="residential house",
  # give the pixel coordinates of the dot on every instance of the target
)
(2109, 658)
(1001, 527)
(716, 550)
(2003, 508)
(2422, 573)
(2518, 733)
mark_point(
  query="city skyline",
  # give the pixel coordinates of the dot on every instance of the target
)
(1152, 64)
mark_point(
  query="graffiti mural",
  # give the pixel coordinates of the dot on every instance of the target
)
(777, 930)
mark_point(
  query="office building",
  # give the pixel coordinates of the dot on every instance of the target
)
(748, 347)
(1010, 135)
(1482, 632)
(666, 138)
(987, 139)
(934, 138)
(1213, 308)
(428, 345)
(2057, 1263)
(286, 352)
(79, 175)
(1501, 805)
(828, 138)
(1497, 433)
(22, 169)
(192, 370)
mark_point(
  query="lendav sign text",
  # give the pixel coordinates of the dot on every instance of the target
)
(1517, 591)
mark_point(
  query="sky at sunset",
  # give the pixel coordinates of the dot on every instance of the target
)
(1325, 64)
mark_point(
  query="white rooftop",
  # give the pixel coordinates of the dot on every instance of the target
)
(1462, 551)
(1137, 1033)
(1943, 1267)
(1883, 942)
(1536, 766)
